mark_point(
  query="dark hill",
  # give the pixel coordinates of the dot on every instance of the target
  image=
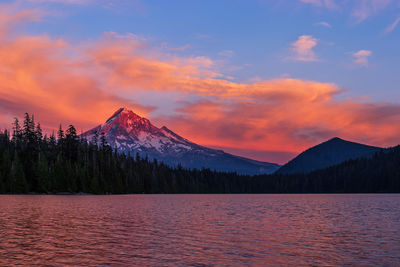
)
(329, 153)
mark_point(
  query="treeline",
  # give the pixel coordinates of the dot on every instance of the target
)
(379, 174)
(65, 162)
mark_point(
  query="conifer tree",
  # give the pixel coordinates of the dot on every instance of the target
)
(95, 138)
(43, 174)
(39, 132)
(71, 133)
(60, 133)
(17, 133)
(6, 170)
(103, 141)
(19, 183)
(29, 129)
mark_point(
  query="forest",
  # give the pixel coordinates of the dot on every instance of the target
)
(32, 162)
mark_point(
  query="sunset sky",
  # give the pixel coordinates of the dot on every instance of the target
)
(264, 79)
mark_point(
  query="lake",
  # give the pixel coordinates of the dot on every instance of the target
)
(200, 230)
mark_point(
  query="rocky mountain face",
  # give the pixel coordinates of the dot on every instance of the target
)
(132, 134)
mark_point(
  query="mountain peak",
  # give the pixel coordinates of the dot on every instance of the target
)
(131, 134)
(120, 111)
(336, 139)
(127, 111)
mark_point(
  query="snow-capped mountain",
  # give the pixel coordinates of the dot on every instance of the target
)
(130, 133)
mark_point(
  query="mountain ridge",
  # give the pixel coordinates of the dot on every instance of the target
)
(331, 152)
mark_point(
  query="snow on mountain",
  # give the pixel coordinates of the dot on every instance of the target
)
(130, 133)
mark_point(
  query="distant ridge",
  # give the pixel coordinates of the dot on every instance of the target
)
(132, 134)
(326, 154)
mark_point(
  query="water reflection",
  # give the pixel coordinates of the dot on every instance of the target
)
(200, 230)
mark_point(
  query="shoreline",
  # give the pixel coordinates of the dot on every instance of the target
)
(90, 194)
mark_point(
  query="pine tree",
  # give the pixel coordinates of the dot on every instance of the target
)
(71, 133)
(39, 132)
(17, 133)
(6, 170)
(29, 129)
(52, 139)
(60, 133)
(103, 141)
(19, 183)
(95, 138)
(44, 184)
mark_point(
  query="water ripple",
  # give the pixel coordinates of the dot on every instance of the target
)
(200, 230)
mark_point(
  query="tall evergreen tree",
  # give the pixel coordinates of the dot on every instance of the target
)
(95, 138)
(71, 133)
(60, 133)
(29, 129)
(39, 132)
(103, 141)
(19, 183)
(17, 132)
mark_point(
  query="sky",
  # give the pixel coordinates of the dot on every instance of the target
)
(264, 79)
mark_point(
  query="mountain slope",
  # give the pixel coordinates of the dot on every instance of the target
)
(329, 153)
(130, 133)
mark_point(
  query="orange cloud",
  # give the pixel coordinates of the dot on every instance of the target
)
(40, 75)
(84, 83)
(289, 116)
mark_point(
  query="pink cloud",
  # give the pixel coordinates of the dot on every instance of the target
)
(323, 23)
(367, 8)
(303, 48)
(361, 57)
(321, 3)
(360, 10)
(392, 26)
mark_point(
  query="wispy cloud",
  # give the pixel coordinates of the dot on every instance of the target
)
(179, 48)
(323, 23)
(72, 2)
(202, 36)
(303, 48)
(359, 10)
(226, 53)
(11, 16)
(331, 4)
(361, 57)
(366, 8)
(392, 26)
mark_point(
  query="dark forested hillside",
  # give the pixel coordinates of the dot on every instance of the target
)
(31, 162)
(326, 154)
(377, 174)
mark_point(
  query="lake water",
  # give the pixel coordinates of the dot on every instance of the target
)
(200, 230)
